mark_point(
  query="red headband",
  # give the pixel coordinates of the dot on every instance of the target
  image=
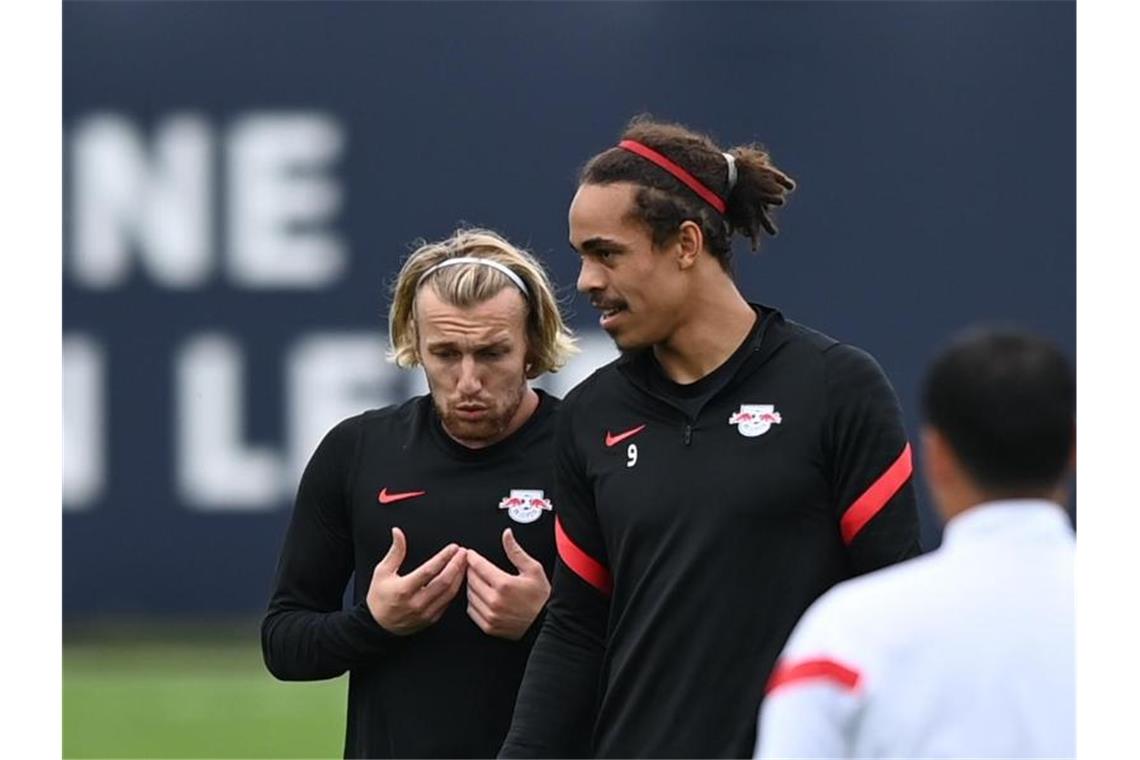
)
(689, 180)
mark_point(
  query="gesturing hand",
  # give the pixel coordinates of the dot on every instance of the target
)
(500, 603)
(404, 604)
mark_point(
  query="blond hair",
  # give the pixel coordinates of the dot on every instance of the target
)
(550, 343)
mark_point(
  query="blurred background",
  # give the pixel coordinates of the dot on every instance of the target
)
(242, 180)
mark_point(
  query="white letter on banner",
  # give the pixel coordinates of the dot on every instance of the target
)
(216, 470)
(278, 197)
(124, 200)
(333, 376)
(84, 422)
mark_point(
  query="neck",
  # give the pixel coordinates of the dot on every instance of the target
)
(714, 325)
(967, 496)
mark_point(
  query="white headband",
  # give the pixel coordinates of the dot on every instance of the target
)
(473, 260)
(731, 159)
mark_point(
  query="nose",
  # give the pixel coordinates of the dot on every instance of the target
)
(591, 277)
(469, 382)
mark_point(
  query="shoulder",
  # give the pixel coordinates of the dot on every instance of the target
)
(835, 356)
(548, 402)
(868, 612)
(377, 421)
(846, 362)
(888, 586)
(546, 418)
(857, 385)
(804, 337)
(849, 373)
(809, 353)
(597, 384)
(393, 414)
(821, 362)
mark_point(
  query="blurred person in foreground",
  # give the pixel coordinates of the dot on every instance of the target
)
(713, 481)
(968, 651)
(418, 499)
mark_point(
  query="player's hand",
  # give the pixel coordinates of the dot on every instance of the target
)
(503, 604)
(404, 604)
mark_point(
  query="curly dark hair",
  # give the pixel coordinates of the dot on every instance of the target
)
(663, 202)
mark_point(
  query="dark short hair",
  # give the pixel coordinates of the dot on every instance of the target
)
(1005, 400)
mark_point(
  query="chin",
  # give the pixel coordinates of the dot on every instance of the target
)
(627, 342)
(474, 432)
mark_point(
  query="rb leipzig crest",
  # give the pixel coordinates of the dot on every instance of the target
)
(754, 419)
(525, 505)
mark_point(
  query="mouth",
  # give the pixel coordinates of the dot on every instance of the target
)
(609, 312)
(470, 411)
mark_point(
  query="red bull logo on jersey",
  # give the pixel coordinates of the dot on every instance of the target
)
(755, 419)
(525, 505)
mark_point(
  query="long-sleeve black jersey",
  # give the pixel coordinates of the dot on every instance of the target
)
(690, 545)
(448, 690)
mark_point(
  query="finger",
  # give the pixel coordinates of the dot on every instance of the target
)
(479, 619)
(436, 606)
(452, 574)
(446, 583)
(480, 606)
(476, 585)
(476, 563)
(423, 574)
(396, 552)
(486, 569)
(525, 563)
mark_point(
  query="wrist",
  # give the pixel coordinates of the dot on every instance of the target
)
(363, 612)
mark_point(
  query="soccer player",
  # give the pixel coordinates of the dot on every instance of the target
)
(417, 499)
(968, 651)
(717, 478)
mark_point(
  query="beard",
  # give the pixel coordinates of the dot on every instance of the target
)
(485, 427)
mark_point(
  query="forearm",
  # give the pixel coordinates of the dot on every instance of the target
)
(309, 645)
(557, 702)
(305, 634)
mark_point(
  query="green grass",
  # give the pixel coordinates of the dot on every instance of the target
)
(163, 698)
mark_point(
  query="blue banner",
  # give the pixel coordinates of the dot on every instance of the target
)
(243, 179)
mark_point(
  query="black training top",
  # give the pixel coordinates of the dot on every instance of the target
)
(448, 690)
(690, 545)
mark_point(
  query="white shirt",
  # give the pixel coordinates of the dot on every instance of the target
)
(964, 652)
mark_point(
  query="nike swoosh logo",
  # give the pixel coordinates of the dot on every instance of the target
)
(614, 440)
(388, 498)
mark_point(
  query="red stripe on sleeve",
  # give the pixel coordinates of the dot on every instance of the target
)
(876, 497)
(819, 669)
(584, 566)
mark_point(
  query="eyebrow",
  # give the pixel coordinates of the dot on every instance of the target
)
(499, 342)
(595, 243)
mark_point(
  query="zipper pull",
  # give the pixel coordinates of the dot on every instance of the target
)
(688, 434)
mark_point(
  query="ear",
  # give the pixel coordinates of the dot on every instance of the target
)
(1073, 450)
(690, 241)
(937, 457)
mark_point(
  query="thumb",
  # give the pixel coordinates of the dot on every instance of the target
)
(396, 552)
(517, 555)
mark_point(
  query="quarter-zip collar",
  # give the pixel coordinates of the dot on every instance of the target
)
(762, 343)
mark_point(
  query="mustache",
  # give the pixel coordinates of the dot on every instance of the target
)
(602, 304)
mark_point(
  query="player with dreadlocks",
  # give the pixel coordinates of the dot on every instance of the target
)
(725, 471)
